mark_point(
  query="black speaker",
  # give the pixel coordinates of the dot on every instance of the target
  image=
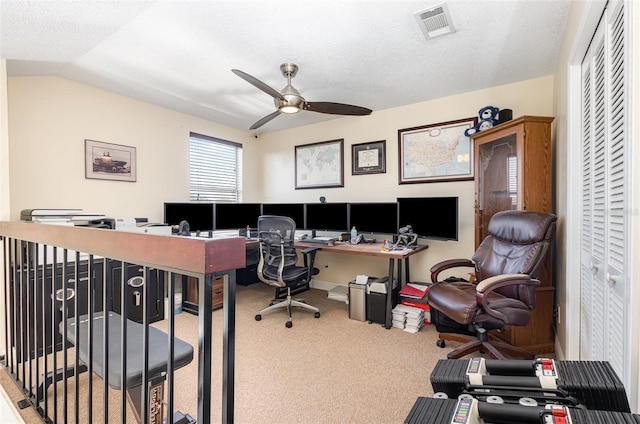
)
(504, 115)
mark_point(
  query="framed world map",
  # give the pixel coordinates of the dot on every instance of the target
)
(436, 153)
(320, 165)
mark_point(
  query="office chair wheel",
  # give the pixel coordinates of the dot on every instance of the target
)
(289, 324)
(258, 317)
(441, 343)
(317, 315)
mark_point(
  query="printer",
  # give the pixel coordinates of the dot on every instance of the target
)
(133, 225)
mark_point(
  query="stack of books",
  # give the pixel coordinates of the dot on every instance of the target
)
(408, 318)
(414, 291)
(416, 295)
(398, 318)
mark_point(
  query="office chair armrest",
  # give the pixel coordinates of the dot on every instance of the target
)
(491, 284)
(497, 281)
(309, 256)
(450, 263)
(309, 250)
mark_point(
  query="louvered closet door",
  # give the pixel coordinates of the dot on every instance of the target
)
(604, 239)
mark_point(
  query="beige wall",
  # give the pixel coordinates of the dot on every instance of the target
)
(532, 97)
(4, 144)
(49, 119)
(4, 183)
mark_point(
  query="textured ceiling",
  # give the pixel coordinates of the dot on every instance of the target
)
(179, 54)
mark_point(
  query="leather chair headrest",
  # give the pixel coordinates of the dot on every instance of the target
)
(522, 227)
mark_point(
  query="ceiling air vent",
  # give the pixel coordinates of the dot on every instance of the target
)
(435, 21)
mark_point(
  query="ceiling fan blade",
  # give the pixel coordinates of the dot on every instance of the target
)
(264, 120)
(259, 84)
(336, 108)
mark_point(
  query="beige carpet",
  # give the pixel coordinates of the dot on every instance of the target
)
(327, 370)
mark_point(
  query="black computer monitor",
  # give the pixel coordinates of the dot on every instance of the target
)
(199, 215)
(378, 217)
(327, 217)
(430, 217)
(294, 211)
(235, 216)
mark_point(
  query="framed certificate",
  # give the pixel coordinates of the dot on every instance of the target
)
(368, 158)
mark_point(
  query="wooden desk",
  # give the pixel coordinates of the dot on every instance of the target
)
(190, 299)
(375, 249)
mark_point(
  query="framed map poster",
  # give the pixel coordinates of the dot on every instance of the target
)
(436, 153)
(320, 165)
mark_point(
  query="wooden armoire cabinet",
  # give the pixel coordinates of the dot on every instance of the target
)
(513, 171)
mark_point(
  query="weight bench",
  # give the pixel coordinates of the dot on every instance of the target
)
(157, 364)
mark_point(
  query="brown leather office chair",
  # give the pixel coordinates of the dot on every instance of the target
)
(506, 265)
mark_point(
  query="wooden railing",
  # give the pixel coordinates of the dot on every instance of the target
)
(45, 266)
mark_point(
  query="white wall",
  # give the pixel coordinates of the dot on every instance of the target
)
(583, 19)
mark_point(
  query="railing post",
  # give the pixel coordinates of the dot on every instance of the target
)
(36, 267)
(205, 290)
(228, 348)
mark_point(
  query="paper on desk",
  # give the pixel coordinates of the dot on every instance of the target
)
(362, 279)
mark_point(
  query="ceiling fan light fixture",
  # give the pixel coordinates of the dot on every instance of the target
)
(289, 109)
(292, 102)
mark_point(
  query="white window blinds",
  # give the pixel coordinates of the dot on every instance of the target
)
(215, 169)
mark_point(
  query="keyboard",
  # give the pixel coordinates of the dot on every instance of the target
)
(320, 240)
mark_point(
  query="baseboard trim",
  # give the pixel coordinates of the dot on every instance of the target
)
(8, 410)
(559, 352)
(322, 285)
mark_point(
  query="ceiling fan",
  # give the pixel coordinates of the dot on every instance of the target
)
(289, 99)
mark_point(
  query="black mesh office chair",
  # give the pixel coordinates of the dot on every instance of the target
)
(278, 259)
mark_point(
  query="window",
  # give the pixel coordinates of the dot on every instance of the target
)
(215, 169)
